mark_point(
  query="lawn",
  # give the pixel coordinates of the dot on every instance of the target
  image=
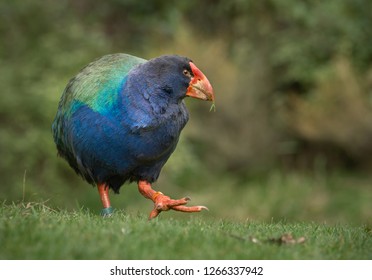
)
(277, 216)
(36, 231)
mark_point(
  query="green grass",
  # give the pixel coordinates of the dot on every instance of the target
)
(35, 231)
(247, 217)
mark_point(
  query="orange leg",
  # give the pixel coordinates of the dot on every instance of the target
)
(165, 203)
(103, 191)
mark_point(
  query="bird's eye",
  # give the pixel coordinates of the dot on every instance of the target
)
(187, 73)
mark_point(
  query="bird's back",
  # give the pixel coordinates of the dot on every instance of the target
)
(97, 84)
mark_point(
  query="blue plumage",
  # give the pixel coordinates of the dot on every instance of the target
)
(120, 117)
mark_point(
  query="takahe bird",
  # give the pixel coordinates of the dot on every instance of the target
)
(119, 119)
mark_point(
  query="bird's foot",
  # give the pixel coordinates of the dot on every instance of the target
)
(107, 212)
(165, 203)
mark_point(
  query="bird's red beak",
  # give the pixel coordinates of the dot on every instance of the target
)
(199, 86)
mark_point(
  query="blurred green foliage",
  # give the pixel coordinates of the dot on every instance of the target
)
(293, 83)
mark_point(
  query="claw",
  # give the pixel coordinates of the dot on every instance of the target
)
(156, 211)
(153, 214)
(165, 203)
(189, 208)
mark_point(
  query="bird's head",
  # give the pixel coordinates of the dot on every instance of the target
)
(179, 77)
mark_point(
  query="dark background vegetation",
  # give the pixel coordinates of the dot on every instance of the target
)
(292, 134)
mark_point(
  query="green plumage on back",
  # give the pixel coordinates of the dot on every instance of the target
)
(98, 84)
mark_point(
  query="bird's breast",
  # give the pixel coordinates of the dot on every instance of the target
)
(155, 136)
(151, 145)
